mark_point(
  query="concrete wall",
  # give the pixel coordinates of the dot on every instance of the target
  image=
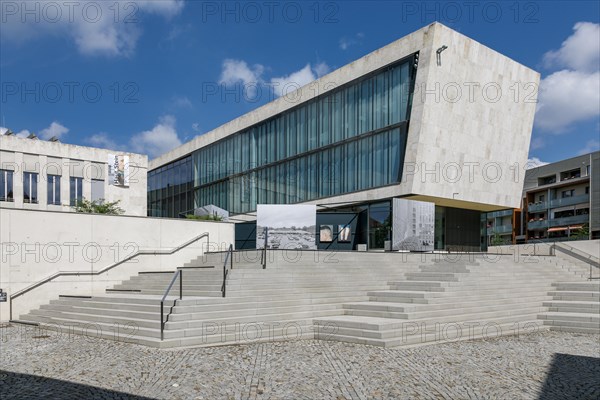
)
(55, 158)
(37, 244)
(473, 109)
(591, 247)
(470, 124)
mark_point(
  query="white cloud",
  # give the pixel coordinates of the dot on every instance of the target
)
(101, 140)
(238, 71)
(534, 162)
(590, 146)
(580, 51)
(96, 27)
(24, 133)
(196, 127)
(158, 140)
(567, 97)
(571, 95)
(55, 129)
(346, 42)
(321, 69)
(537, 143)
(287, 84)
(181, 102)
(235, 71)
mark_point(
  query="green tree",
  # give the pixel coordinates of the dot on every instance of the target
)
(583, 233)
(497, 240)
(99, 206)
(205, 217)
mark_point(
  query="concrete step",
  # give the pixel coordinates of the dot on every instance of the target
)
(450, 297)
(447, 316)
(574, 329)
(574, 317)
(225, 304)
(377, 332)
(573, 306)
(577, 286)
(574, 295)
(449, 305)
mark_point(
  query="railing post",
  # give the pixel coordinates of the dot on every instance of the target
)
(224, 278)
(162, 326)
(264, 254)
(180, 284)
(231, 257)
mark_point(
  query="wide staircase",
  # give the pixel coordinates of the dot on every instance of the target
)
(276, 303)
(383, 299)
(450, 301)
(575, 307)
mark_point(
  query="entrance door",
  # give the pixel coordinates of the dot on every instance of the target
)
(380, 224)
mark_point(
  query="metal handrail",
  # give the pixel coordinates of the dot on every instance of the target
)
(163, 322)
(229, 257)
(263, 256)
(93, 273)
(578, 254)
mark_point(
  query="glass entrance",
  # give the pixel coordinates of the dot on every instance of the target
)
(380, 224)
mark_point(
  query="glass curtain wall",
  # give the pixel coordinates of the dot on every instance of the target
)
(170, 190)
(351, 139)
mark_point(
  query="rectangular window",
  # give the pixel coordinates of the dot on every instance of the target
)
(6, 185)
(54, 189)
(75, 190)
(30, 180)
(97, 189)
(568, 193)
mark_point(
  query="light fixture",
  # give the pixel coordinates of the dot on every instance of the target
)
(438, 54)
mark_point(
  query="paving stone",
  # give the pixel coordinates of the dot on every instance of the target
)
(541, 365)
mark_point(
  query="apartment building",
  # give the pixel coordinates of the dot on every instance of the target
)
(561, 201)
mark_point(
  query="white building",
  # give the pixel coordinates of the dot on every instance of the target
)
(48, 175)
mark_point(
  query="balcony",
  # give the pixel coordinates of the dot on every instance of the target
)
(569, 201)
(500, 229)
(501, 213)
(577, 219)
(536, 207)
(537, 224)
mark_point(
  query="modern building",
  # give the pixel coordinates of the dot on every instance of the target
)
(561, 201)
(428, 117)
(37, 174)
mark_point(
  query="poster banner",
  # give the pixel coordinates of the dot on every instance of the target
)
(289, 226)
(414, 225)
(118, 170)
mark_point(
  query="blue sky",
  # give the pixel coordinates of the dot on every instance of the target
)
(148, 75)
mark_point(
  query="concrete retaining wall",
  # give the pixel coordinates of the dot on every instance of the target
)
(37, 244)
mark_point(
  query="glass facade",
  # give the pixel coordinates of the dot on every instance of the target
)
(351, 139)
(170, 189)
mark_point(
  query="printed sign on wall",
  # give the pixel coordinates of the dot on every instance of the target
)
(118, 170)
(289, 226)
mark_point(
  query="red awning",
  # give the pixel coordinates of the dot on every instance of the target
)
(558, 229)
(573, 227)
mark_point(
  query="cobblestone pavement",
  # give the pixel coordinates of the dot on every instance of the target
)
(543, 365)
